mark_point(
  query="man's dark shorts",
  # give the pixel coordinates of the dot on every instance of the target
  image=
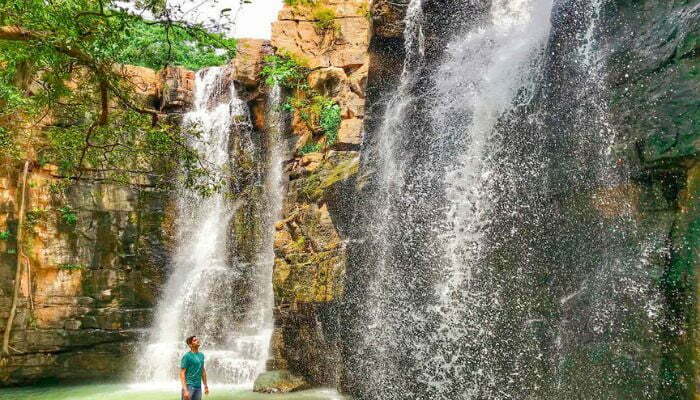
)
(195, 393)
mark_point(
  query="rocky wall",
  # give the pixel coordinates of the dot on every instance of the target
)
(96, 255)
(93, 281)
(310, 247)
(652, 48)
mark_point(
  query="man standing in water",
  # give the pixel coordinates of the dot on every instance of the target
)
(192, 372)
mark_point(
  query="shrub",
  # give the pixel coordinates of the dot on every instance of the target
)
(330, 122)
(4, 235)
(321, 114)
(284, 70)
(325, 19)
(310, 148)
(34, 216)
(68, 215)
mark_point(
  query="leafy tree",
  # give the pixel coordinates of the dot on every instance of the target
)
(61, 68)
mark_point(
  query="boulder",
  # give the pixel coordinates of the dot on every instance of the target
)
(328, 81)
(280, 381)
(351, 132)
(249, 60)
(178, 87)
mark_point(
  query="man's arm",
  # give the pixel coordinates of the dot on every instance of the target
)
(185, 393)
(204, 379)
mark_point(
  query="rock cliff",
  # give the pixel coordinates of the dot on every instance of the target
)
(310, 239)
(96, 256)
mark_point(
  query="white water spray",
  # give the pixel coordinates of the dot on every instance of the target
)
(202, 294)
(482, 78)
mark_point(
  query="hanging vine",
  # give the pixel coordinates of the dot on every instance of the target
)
(18, 271)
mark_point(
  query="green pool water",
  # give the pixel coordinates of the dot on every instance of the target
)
(125, 392)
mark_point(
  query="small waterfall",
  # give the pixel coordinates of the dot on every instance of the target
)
(211, 292)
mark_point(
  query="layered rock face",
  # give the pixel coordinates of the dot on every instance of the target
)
(310, 245)
(96, 256)
(93, 282)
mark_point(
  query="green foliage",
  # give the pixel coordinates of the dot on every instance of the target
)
(61, 59)
(284, 70)
(321, 114)
(324, 16)
(365, 11)
(34, 216)
(325, 19)
(59, 187)
(7, 143)
(310, 148)
(330, 120)
(68, 215)
(156, 46)
(71, 267)
(5, 235)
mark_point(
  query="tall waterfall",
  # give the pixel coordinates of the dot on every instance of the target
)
(497, 255)
(211, 292)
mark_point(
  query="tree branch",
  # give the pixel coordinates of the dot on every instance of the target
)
(16, 33)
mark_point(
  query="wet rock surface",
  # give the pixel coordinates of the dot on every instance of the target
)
(279, 381)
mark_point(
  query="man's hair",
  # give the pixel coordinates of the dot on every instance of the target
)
(189, 340)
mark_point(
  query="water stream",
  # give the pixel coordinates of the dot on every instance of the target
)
(506, 261)
(211, 292)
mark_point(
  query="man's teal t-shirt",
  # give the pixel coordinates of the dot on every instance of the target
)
(193, 363)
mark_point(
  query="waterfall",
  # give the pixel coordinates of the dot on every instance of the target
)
(211, 292)
(498, 253)
(485, 74)
(376, 338)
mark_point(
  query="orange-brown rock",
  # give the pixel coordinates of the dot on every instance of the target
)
(249, 60)
(328, 81)
(178, 87)
(351, 132)
(344, 47)
(145, 80)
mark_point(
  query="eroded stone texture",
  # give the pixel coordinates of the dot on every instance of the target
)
(97, 254)
(93, 283)
(310, 264)
(337, 56)
(250, 54)
(388, 16)
(177, 87)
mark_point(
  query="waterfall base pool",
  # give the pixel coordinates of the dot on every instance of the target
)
(115, 391)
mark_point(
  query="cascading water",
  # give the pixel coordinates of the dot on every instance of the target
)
(390, 180)
(484, 75)
(499, 268)
(211, 292)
